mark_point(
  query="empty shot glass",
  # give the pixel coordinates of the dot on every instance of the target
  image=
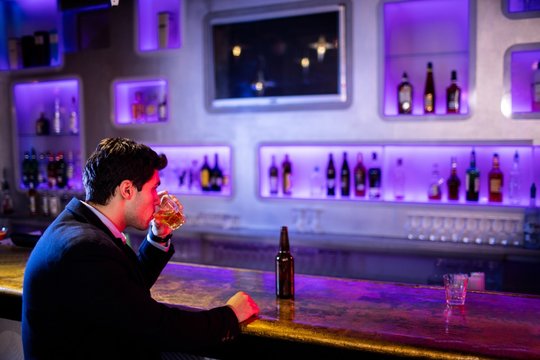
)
(455, 286)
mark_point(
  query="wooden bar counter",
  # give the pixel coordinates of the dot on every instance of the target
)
(342, 318)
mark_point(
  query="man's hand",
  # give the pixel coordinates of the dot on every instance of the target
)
(243, 305)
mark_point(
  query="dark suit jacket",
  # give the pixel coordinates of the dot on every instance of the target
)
(86, 295)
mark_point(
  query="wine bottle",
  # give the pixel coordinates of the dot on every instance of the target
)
(284, 267)
(43, 125)
(204, 175)
(472, 180)
(330, 177)
(429, 91)
(374, 178)
(286, 171)
(453, 181)
(360, 176)
(33, 168)
(536, 88)
(345, 177)
(405, 95)
(453, 95)
(273, 176)
(399, 180)
(514, 183)
(495, 180)
(216, 175)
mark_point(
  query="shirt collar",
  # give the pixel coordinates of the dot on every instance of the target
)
(108, 223)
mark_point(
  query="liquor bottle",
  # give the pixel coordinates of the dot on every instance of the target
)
(316, 183)
(536, 88)
(33, 168)
(360, 176)
(374, 178)
(216, 175)
(32, 200)
(399, 180)
(57, 127)
(495, 181)
(286, 171)
(137, 108)
(61, 171)
(345, 177)
(514, 185)
(204, 175)
(162, 109)
(435, 185)
(429, 91)
(43, 125)
(51, 171)
(284, 267)
(472, 180)
(330, 176)
(42, 174)
(7, 199)
(26, 169)
(70, 169)
(405, 95)
(453, 181)
(531, 222)
(151, 109)
(45, 204)
(273, 176)
(453, 95)
(73, 118)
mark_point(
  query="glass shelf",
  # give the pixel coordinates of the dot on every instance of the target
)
(417, 163)
(417, 32)
(183, 173)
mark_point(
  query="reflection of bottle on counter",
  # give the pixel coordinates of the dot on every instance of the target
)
(284, 267)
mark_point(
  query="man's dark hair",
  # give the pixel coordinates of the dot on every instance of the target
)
(116, 160)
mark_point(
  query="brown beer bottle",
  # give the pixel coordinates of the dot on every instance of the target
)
(284, 268)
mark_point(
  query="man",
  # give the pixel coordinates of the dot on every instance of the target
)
(86, 294)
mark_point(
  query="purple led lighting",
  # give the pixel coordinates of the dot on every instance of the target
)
(183, 159)
(517, 6)
(417, 163)
(416, 32)
(124, 96)
(148, 11)
(522, 65)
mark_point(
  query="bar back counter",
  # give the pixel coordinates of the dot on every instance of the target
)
(342, 318)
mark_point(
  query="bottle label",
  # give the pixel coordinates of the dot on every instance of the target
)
(495, 185)
(273, 185)
(287, 183)
(205, 178)
(428, 102)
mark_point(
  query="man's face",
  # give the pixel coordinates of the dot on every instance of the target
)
(141, 211)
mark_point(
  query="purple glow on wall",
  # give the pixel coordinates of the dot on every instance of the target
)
(522, 66)
(124, 96)
(417, 32)
(147, 12)
(517, 6)
(185, 161)
(418, 162)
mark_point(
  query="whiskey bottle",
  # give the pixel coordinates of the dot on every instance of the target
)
(286, 171)
(495, 181)
(360, 176)
(405, 95)
(429, 91)
(453, 95)
(345, 177)
(284, 267)
(374, 178)
(514, 182)
(273, 176)
(330, 177)
(472, 180)
(43, 125)
(205, 175)
(453, 181)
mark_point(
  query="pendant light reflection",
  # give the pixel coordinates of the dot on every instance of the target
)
(321, 46)
(260, 84)
(236, 50)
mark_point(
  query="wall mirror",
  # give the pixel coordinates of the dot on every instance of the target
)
(279, 57)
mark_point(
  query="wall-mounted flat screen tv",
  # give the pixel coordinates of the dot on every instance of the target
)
(279, 57)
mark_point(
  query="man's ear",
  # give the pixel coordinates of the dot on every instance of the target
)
(126, 189)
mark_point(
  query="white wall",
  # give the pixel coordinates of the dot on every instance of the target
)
(192, 124)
